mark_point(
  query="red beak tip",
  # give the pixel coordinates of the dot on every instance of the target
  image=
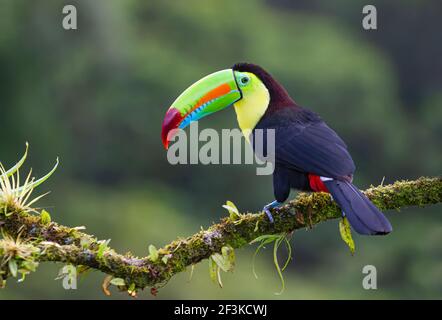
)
(164, 135)
(171, 121)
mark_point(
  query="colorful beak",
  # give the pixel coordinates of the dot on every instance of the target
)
(212, 93)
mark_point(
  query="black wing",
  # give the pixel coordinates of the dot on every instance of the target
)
(305, 143)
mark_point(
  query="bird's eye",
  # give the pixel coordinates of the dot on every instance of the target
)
(245, 80)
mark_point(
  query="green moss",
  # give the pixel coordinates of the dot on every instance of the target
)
(73, 246)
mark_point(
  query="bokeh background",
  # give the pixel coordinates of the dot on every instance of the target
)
(96, 97)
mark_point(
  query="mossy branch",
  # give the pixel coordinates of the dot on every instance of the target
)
(35, 238)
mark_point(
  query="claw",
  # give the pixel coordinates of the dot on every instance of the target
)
(269, 215)
(266, 209)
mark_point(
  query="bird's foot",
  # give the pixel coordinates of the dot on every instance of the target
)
(272, 205)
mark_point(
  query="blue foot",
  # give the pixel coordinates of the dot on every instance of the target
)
(266, 209)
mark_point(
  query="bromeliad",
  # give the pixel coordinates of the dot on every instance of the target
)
(309, 155)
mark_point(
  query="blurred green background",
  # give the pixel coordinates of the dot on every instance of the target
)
(96, 97)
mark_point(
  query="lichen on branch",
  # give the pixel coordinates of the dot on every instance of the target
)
(30, 236)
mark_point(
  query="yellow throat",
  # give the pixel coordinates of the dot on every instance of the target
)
(250, 109)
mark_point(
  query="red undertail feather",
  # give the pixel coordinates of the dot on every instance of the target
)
(316, 183)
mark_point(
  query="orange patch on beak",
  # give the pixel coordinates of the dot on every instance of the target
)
(212, 94)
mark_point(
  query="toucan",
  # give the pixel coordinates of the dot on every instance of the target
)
(309, 155)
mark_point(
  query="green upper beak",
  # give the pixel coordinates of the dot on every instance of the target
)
(206, 96)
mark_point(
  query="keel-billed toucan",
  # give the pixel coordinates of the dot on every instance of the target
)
(309, 155)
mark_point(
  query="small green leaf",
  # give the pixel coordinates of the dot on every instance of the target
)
(14, 169)
(213, 270)
(192, 268)
(225, 260)
(275, 261)
(229, 254)
(218, 277)
(119, 282)
(13, 267)
(289, 253)
(254, 258)
(45, 217)
(35, 184)
(165, 258)
(344, 229)
(266, 238)
(101, 248)
(256, 226)
(277, 239)
(219, 260)
(85, 242)
(29, 265)
(153, 253)
(233, 210)
(132, 290)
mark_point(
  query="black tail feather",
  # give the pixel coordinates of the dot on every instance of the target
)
(363, 215)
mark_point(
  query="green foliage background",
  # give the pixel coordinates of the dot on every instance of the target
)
(96, 98)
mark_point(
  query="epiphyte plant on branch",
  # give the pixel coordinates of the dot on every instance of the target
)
(14, 196)
(309, 155)
(16, 255)
(30, 236)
